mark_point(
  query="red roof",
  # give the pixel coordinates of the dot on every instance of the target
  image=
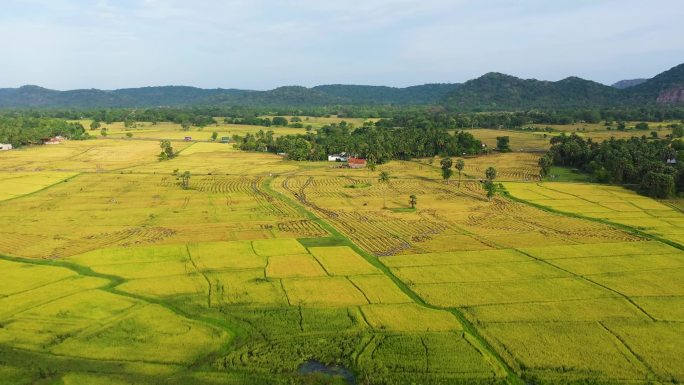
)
(356, 161)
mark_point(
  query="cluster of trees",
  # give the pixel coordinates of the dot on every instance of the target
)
(378, 142)
(24, 130)
(649, 163)
(167, 151)
(522, 119)
(262, 121)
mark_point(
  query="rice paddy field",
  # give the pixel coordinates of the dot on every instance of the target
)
(114, 274)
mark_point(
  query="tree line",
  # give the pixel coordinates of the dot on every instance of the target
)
(378, 142)
(650, 164)
(205, 116)
(23, 130)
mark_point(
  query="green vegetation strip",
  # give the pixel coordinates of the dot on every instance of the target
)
(338, 239)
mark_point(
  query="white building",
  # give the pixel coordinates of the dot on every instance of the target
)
(5, 147)
(338, 157)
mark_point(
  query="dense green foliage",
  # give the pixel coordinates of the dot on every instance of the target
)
(637, 161)
(379, 142)
(20, 131)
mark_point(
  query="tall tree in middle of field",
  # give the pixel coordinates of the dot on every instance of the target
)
(447, 172)
(460, 165)
(413, 200)
(489, 185)
(384, 178)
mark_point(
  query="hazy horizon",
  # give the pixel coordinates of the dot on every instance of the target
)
(265, 44)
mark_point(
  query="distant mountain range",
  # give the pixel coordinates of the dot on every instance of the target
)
(490, 92)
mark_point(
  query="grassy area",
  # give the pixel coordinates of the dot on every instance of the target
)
(565, 174)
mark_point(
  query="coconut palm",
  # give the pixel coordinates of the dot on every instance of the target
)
(384, 178)
(460, 165)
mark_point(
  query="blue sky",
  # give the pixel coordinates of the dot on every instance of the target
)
(262, 44)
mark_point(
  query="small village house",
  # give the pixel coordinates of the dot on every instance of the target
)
(187, 138)
(5, 147)
(356, 162)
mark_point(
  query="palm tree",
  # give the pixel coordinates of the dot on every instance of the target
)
(413, 200)
(370, 164)
(460, 165)
(385, 179)
(489, 185)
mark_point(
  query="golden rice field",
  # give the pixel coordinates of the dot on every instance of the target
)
(519, 140)
(608, 203)
(114, 274)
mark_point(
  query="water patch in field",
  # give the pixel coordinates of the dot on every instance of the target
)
(315, 367)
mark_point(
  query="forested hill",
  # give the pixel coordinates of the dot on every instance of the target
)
(491, 92)
(174, 96)
(495, 92)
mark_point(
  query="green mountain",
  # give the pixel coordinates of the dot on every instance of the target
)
(491, 92)
(174, 96)
(495, 91)
(666, 88)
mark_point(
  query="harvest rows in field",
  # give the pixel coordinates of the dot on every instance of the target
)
(509, 166)
(472, 222)
(609, 203)
(130, 210)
